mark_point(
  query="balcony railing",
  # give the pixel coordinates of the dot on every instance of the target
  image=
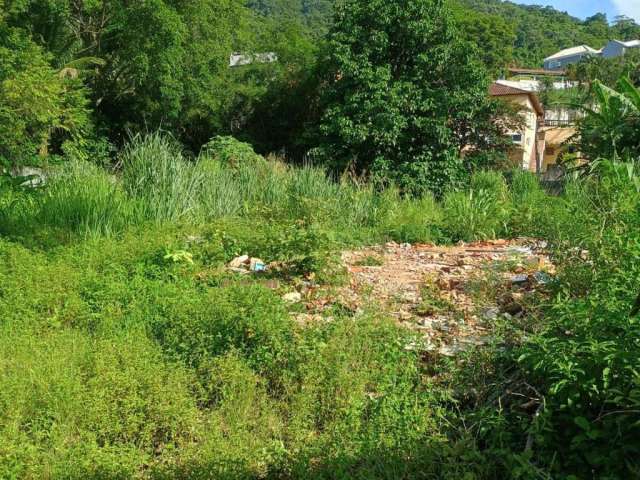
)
(559, 123)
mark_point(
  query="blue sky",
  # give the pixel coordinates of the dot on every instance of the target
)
(586, 8)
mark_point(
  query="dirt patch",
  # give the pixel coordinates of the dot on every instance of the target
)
(451, 295)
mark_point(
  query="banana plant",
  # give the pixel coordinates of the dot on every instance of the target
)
(610, 127)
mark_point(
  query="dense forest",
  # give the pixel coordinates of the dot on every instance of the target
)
(538, 32)
(112, 68)
(287, 239)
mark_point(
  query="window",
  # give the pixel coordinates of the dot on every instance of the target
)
(517, 138)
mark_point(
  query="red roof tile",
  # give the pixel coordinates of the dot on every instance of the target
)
(499, 90)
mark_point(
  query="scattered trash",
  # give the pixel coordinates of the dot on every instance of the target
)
(520, 279)
(521, 250)
(440, 278)
(257, 265)
(490, 314)
(239, 262)
(542, 278)
(245, 264)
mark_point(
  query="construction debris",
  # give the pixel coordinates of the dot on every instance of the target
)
(430, 289)
(292, 297)
(245, 264)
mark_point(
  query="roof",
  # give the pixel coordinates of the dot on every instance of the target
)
(240, 60)
(527, 85)
(631, 43)
(537, 71)
(557, 136)
(570, 52)
(627, 44)
(497, 89)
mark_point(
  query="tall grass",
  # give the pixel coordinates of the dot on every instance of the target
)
(480, 213)
(155, 172)
(157, 183)
(84, 198)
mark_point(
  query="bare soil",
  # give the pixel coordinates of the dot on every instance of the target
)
(452, 296)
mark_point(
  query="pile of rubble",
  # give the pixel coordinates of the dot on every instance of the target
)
(440, 292)
(431, 289)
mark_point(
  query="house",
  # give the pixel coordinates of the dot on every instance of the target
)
(536, 74)
(569, 56)
(534, 79)
(556, 141)
(240, 60)
(617, 48)
(527, 151)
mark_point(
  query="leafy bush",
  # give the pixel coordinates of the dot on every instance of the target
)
(89, 409)
(578, 363)
(231, 152)
(587, 357)
(250, 320)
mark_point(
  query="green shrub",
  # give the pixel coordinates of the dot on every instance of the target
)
(414, 220)
(480, 214)
(103, 409)
(579, 362)
(531, 205)
(248, 319)
(492, 184)
(231, 152)
(221, 194)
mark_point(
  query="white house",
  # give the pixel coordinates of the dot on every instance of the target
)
(617, 48)
(569, 56)
(240, 59)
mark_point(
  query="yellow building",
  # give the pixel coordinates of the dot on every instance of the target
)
(528, 151)
(556, 144)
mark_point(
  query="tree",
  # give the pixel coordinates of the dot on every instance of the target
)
(405, 92)
(493, 35)
(607, 70)
(151, 63)
(626, 28)
(37, 103)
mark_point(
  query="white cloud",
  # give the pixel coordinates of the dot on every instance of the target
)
(630, 8)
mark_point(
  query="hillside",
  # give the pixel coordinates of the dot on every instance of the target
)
(514, 33)
(542, 31)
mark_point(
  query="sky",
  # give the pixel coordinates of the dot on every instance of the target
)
(586, 8)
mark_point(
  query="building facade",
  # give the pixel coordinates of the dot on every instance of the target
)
(527, 151)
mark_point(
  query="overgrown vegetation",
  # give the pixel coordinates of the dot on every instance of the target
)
(147, 358)
(133, 348)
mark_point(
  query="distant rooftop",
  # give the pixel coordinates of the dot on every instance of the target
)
(630, 44)
(569, 52)
(537, 71)
(240, 59)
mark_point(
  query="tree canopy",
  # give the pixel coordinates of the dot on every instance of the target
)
(404, 87)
